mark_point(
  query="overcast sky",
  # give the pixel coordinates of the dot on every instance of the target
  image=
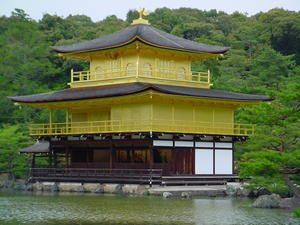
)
(99, 9)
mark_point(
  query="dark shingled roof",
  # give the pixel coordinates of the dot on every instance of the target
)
(144, 33)
(132, 88)
(38, 147)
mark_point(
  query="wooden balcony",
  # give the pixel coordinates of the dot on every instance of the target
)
(119, 126)
(138, 176)
(134, 74)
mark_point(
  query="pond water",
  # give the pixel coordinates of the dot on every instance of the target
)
(118, 210)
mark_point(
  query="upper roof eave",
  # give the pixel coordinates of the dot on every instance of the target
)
(144, 33)
(66, 53)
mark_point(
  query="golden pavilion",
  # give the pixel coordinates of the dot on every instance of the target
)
(139, 114)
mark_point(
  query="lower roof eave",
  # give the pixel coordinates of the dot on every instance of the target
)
(117, 90)
(148, 134)
(39, 147)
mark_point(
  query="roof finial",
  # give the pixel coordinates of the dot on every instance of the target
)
(142, 12)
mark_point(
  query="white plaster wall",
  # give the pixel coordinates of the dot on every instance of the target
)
(203, 161)
(223, 161)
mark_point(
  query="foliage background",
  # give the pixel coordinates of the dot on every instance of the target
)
(264, 59)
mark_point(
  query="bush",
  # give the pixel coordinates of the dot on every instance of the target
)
(297, 212)
(279, 188)
(273, 184)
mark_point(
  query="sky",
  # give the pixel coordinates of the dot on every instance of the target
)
(99, 9)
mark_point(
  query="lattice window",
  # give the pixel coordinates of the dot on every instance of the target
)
(115, 65)
(147, 70)
(99, 73)
(181, 73)
(163, 66)
(130, 69)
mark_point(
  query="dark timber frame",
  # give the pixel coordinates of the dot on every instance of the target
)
(181, 163)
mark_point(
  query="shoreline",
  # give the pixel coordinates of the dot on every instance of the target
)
(263, 198)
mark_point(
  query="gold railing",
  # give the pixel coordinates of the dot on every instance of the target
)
(121, 73)
(115, 126)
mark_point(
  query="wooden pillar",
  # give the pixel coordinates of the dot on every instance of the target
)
(67, 156)
(54, 158)
(50, 156)
(174, 157)
(33, 160)
(50, 121)
(151, 154)
(111, 155)
(67, 121)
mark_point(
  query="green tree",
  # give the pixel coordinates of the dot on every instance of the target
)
(12, 138)
(275, 148)
(282, 28)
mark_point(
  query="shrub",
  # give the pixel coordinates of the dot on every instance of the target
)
(297, 212)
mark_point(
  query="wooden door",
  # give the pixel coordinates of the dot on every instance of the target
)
(183, 161)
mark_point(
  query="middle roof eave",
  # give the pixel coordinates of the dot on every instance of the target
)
(133, 88)
(145, 33)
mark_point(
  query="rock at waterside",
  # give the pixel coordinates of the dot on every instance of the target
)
(119, 189)
(134, 189)
(263, 191)
(49, 186)
(185, 195)
(258, 192)
(243, 192)
(142, 190)
(167, 194)
(232, 188)
(29, 187)
(70, 187)
(55, 187)
(37, 186)
(130, 189)
(100, 189)
(267, 201)
(109, 188)
(113, 188)
(290, 203)
(91, 187)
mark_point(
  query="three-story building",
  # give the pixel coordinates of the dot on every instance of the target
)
(138, 112)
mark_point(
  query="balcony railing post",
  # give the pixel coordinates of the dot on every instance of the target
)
(137, 70)
(134, 125)
(50, 121)
(208, 76)
(72, 74)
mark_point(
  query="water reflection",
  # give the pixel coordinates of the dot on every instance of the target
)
(119, 210)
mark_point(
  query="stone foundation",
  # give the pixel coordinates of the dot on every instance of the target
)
(93, 188)
(126, 189)
(70, 187)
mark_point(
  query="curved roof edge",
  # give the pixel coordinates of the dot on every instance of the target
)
(144, 33)
(85, 93)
